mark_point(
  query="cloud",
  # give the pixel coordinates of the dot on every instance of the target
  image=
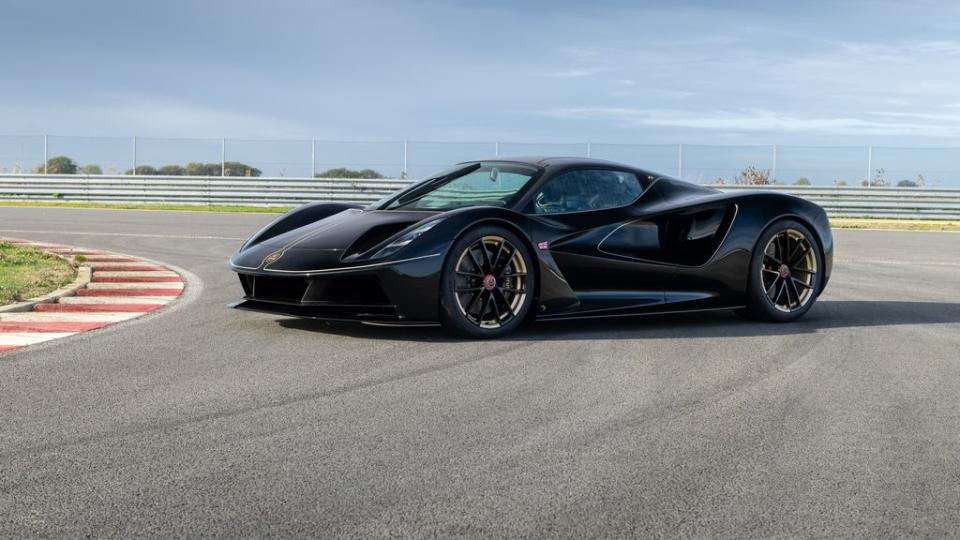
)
(574, 73)
(147, 117)
(761, 120)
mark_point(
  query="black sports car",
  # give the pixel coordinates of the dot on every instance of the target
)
(485, 245)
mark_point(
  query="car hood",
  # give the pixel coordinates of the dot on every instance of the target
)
(327, 242)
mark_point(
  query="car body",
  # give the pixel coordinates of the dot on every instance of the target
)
(601, 246)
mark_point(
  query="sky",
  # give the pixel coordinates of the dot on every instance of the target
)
(807, 73)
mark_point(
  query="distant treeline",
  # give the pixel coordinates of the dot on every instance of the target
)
(66, 165)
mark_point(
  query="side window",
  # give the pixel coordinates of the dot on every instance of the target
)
(578, 191)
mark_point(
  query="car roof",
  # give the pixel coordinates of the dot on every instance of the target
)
(563, 162)
(543, 161)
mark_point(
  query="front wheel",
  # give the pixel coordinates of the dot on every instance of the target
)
(488, 283)
(785, 273)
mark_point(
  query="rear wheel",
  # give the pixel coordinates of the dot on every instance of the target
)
(488, 283)
(785, 273)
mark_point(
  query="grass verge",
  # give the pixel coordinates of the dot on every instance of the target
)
(895, 224)
(27, 272)
(164, 207)
(837, 223)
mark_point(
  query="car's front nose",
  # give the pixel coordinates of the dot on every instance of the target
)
(343, 240)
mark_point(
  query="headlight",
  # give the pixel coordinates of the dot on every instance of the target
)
(405, 239)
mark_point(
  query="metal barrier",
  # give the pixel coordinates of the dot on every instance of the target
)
(281, 191)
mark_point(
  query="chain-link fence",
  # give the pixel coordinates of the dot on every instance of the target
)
(708, 164)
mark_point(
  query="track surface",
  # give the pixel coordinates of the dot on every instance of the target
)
(205, 420)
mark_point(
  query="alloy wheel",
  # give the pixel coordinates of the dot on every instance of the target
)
(788, 270)
(491, 281)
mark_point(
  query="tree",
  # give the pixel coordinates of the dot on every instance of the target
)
(230, 168)
(802, 181)
(840, 183)
(91, 169)
(202, 169)
(142, 170)
(877, 181)
(59, 165)
(752, 176)
(171, 170)
(906, 183)
(235, 168)
(343, 172)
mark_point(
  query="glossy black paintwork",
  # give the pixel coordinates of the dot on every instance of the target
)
(621, 261)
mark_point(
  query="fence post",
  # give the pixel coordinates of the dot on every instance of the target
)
(134, 155)
(403, 173)
(680, 161)
(313, 157)
(869, 165)
(774, 164)
(45, 154)
(496, 149)
(223, 157)
(589, 149)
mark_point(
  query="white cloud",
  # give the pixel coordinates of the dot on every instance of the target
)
(574, 73)
(761, 120)
(147, 117)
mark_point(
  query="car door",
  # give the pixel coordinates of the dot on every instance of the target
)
(602, 252)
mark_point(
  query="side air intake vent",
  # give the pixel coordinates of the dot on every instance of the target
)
(374, 236)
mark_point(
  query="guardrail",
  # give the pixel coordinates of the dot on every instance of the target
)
(282, 191)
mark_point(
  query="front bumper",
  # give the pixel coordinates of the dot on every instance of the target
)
(403, 293)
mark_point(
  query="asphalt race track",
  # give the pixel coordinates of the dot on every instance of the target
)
(204, 420)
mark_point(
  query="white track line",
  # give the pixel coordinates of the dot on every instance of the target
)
(152, 273)
(21, 339)
(98, 264)
(52, 316)
(117, 299)
(139, 285)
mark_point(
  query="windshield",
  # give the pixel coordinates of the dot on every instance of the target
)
(479, 184)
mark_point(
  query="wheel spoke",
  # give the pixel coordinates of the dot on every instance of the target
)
(786, 289)
(468, 289)
(796, 292)
(487, 269)
(496, 308)
(804, 270)
(772, 258)
(473, 258)
(483, 306)
(796, 261)
(496, 258)
(783, 287)
(471, 274)
(770, 291)
(498, 270)
(472, 302)
(499, 293)
(801, 283)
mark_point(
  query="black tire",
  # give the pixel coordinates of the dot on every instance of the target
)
(475, 284)
(785, 273)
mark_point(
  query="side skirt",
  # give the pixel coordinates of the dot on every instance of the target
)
(639, 314)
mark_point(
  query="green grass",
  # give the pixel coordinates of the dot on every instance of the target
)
(895, 224)
(837, 223)
(158, 206)
(27, 272)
